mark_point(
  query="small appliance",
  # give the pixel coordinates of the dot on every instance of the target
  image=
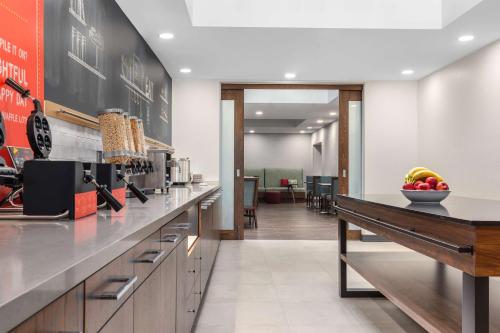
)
(180, 171)
(159, 177)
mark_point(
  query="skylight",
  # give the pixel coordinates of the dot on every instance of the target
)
(333, 14)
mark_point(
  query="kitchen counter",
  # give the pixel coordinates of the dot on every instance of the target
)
(40, 261)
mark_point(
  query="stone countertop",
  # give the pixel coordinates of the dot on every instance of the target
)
(40, 261)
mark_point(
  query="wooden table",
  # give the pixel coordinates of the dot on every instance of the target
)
(444, 285)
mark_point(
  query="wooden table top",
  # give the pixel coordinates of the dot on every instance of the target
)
(471, 211)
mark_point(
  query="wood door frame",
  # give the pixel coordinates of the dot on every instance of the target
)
(235, 91)
(237, 95)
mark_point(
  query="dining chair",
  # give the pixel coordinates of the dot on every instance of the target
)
(309, 191)
(325, 193)
(250, 199)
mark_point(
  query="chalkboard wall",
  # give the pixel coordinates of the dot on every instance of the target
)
(95, 59)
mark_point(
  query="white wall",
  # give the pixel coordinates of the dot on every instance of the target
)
(459, 123)
(196, 119)
(292, 151)
(329, 138)
(390, 134)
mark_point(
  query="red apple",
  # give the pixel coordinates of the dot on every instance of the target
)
(423, 187)
(442, 186)
(432, 181)
(409, 187)
(418, 182)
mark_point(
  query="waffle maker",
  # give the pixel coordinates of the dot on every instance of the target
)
(52, 189)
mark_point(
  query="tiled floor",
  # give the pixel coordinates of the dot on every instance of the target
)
(268, 286)
(292, 221)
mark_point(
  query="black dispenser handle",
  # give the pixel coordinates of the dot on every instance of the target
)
(137, 192)
(17, 87)
(110, 199)
(104, 192)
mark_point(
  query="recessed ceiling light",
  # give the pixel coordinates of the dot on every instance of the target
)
(333, 113)
(166, 35)
(185, 70)
(290, 75)
(466, 38)
(408, 72)
(259, 113)
(252, 131)
(309, 127)
(302, 131)
(320, 121)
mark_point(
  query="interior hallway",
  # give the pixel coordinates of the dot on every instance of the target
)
(279, 286)
(292, 221)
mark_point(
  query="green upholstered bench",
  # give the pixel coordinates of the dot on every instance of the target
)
(270, 181)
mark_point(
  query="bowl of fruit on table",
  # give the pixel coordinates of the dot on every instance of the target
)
(424, 186)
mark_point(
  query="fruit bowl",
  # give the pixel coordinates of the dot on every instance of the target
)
(425, 197)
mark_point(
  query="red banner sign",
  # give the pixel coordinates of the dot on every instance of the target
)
(21, 58)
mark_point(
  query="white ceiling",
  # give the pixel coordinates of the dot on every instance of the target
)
(315, 55)
(289, 111)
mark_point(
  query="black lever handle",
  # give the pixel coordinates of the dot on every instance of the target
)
(17, 87)
(137, 192)
(110, 199)
(104, 192)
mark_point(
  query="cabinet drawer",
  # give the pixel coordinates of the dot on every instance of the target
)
(147, 255)
(180, 225)
(173, 233)
(193, 267)
(123, 319)
(192, 307)
(63, 315)
(107, 289)
(148, 310)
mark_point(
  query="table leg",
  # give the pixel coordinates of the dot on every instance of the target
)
(345, 292)
(475, 304)
(293, 196)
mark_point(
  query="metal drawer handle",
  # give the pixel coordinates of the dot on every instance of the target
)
(128, 282)
(449, 246)
(170, 238)
(192, 271)
(192, 311)
(180, 227)
(157, 255)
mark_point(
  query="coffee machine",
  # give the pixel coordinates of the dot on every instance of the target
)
(159, 178)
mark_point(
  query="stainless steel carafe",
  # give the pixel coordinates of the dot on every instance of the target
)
(180, 170)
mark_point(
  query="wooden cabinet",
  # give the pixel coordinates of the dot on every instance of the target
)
(155, 287)
(169, 292)
(63, 315)
(206, 244)
(210, 221)
(182, 268)
(123, 320)
(147, 255)
(148, 305)
(107, 289)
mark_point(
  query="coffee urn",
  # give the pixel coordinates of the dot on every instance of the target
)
(180, 171)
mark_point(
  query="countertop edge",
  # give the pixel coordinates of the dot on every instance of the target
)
(17, 310)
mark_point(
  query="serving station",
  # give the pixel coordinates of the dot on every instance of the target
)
(444, 283)
(142, 269)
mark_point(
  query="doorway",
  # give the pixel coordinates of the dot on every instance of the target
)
(236, 93)
(317, 158)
